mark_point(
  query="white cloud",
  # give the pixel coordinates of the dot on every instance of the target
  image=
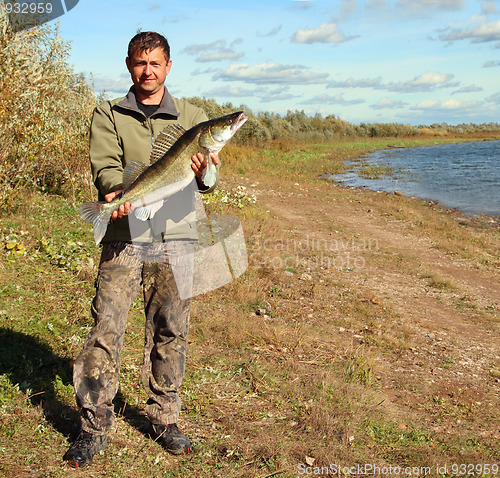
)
(432, 4)
(352, 83)
(195, 49)
(301, 5)
(216, 49)
(271, 73)
(491, 64)
(348, 8)
(494, 98)
(238, 41)
(229, 92)
(431, 78)
(375, 4)
(327, 32)
(117, 85)
(175, 19)
(272, 33)
(263, 93)
(206, 71)
(449, 105)
(484, 32)
(220, 56)
(489, 7)
(388, 103)
(468, 89)
(332, 100)
(277, 94)
(427, 81)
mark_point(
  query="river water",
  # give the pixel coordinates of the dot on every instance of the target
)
(464, 176)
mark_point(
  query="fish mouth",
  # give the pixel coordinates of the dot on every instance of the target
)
(239, 122)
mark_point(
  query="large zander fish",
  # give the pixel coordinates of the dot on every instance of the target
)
(146, 186)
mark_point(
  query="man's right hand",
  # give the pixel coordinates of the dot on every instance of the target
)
(123, 210)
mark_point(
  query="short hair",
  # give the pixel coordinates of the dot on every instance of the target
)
(147, 41)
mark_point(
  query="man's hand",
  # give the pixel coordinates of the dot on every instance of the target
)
(200, 163)
(123, 210)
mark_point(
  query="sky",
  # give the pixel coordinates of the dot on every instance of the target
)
(388, 61)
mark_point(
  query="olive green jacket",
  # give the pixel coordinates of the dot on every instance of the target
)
(120, 133)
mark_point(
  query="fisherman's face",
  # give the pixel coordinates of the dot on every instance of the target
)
(148, 70)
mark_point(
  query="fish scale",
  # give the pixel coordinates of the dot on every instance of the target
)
(145, 187)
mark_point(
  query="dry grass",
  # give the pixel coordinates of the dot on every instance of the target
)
(383, 361)
(365, 330)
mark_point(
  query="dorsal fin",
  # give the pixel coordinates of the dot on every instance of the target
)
(165, 140)
(132, 171)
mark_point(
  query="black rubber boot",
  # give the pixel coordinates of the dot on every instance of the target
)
(82, 452)
(171, 438)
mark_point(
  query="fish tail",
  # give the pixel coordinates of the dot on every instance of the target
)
(95, 213)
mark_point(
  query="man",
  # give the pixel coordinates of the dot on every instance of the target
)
(123, 130)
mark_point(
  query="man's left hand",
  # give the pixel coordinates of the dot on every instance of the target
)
(200, 163)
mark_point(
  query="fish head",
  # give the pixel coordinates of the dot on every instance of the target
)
(217, 132)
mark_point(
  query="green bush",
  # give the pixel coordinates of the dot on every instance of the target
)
(45, 110)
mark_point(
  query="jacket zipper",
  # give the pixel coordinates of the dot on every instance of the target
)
(151, 130)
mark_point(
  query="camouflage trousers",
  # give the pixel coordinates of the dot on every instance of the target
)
(160, 268)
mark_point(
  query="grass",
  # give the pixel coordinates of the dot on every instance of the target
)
(283, 368)
(373, 171)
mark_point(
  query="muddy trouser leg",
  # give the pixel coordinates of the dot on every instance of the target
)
(167, 302)
(97, 368)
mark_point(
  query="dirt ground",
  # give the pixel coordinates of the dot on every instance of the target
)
(365, 330)
(439, 301)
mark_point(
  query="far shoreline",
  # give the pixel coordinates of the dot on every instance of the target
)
(493, 220)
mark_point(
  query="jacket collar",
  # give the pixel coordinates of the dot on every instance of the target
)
(167, 105)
